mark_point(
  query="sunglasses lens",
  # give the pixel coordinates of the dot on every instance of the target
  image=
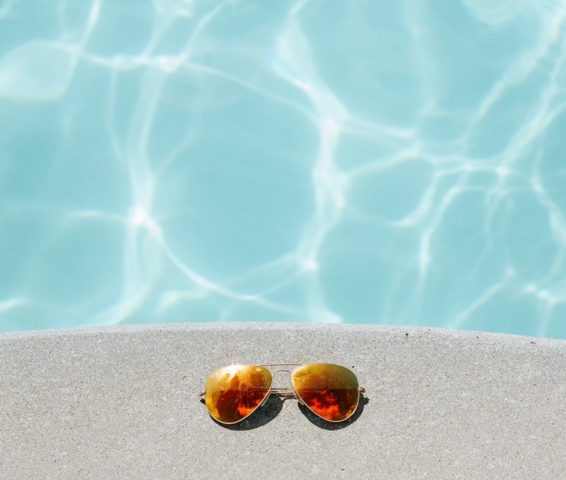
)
(330, 391)
(232, 393)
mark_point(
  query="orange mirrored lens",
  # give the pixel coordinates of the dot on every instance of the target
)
(232, 393)
(330, 391)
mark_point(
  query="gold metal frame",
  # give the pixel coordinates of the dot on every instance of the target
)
(287, 392)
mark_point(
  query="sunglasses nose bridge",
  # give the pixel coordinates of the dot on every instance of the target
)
(281, 370)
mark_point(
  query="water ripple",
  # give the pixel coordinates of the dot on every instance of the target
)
(171, 161)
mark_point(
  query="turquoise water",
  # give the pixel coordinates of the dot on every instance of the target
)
(371, 161)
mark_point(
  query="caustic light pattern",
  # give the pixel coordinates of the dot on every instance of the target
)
(301, 160)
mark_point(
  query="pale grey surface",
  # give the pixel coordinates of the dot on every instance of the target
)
(121, 403)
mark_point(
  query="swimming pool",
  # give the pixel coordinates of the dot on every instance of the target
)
(323, 161)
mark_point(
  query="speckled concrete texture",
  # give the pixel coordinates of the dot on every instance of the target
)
(122, 403)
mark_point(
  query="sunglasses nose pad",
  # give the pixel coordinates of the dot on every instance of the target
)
(280, 383)
(283, 384)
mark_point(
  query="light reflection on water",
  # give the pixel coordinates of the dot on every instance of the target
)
(375, 162)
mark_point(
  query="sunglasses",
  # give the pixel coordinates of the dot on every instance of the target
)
(234, 392)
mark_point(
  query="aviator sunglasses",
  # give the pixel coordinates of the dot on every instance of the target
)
(234, 392)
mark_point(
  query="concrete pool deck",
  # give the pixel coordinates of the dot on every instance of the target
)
(122, 403)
